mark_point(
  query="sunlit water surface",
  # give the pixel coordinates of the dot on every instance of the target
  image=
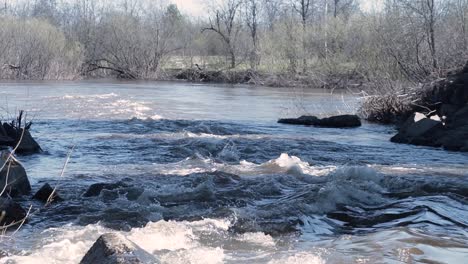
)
(204, 174)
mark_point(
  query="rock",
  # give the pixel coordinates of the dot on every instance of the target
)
(14, 176)
(447, 110)
(341, 121)
(114, 248)
(95, 189)
(459, 118)
(11, 211)
(454, 139)
(45, 192)
(418, 130)
(133, 193)
(6, 141)
(303, 120)
(27, 145)
(116, 219)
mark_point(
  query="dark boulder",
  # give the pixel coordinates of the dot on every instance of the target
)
(418, 130)
(114, 248)
(6, 141)
(123, 219)
(459, 118)
(28, 144)
(341, 121)
(454, 139)
(25, 142)
(47, 194)
(14, 177)
(10, 212)
(303, 120)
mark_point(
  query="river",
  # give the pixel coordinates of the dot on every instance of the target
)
(204, 174)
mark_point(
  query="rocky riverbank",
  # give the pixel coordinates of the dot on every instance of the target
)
(435, 114)
(441, 115)
(14, 138)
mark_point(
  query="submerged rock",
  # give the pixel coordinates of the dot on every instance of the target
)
(341, 121)
(10, 212)
(13, 176)
(96, 189)
(114, 248)
(45, 192)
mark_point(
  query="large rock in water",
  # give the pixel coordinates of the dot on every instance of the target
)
(27, 145)
(341, 121)
(420, 130)
(14, 176)
(47, 194)
(113, 248)
(10, 212)
(303, 120)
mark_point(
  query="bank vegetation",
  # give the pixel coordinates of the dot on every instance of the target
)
(321, 43)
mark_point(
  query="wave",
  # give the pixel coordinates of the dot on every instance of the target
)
(92, 96)
(169, 241)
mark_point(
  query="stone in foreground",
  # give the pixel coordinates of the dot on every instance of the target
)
(341, 121)
(47, 194)
(10, 212)
(112, 248)
(14, 176)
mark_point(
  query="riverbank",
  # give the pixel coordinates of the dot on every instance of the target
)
(434, 114)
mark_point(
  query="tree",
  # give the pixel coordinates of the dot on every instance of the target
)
(304, 9)
(252, 16)
(224, 24)
(427, 11)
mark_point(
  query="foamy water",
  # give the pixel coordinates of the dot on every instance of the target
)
(204, 174)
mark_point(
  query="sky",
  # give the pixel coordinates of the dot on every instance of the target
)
(199, 7)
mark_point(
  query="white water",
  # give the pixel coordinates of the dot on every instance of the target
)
(287, 197)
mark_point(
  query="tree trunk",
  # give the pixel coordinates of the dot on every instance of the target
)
(432, 37)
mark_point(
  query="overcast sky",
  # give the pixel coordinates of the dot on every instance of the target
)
(199, 7)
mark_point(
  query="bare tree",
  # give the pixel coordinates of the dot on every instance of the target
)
(272, 12)
(224, 24)
(427, 11)
(252, 18)
(304, 8)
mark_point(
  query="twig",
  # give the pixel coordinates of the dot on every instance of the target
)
(51, 196)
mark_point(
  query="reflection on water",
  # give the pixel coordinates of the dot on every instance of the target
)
(204, 174)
